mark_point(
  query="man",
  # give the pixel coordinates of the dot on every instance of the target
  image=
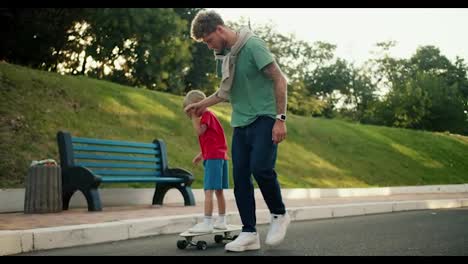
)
(257, 89)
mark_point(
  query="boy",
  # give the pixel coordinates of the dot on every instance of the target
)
(214, 155)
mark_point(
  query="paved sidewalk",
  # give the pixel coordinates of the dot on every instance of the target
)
(21, 221)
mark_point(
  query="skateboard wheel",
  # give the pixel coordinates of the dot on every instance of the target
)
(201, 245)
(181, 244)
(218, 239)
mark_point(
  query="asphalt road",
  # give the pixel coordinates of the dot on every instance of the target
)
(414, 233)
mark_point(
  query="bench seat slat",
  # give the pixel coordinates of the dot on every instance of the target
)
(140, 179)
(132, 173)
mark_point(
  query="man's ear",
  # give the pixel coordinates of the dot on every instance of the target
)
(220, 29)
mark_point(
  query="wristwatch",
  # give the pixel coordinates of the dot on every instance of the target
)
(281, 117)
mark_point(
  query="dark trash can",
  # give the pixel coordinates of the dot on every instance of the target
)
(43, 192)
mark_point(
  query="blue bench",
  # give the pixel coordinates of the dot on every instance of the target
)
(88, 162)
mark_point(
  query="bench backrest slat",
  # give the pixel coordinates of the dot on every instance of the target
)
(116, 150)
(118, 165)
(108, 142)
(115, 157)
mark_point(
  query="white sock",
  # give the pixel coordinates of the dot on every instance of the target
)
(208, 219)
(222, 218)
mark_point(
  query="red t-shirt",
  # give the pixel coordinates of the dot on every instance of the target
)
(212, 142)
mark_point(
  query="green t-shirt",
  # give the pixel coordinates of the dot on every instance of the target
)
(252, 93)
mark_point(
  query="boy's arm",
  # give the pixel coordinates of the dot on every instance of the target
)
(200, 128)
(198, 158)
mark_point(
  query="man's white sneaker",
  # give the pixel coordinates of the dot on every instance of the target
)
(201, 228)
(278, 227)
(245, 241)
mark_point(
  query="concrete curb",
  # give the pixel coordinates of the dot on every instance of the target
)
(13, 242)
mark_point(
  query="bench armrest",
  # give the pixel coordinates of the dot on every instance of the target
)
(80, 177)
(180, 173)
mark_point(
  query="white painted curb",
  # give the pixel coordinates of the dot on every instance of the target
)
(13, 242)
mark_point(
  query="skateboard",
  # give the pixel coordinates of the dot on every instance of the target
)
(220, 236)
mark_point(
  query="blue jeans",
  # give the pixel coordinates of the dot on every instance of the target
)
(253, 152)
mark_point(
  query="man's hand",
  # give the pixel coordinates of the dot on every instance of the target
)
(279, 131)
(193, 109)
(189, 113)
(197, 159)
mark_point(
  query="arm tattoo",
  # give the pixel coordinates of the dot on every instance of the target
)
(273, 72)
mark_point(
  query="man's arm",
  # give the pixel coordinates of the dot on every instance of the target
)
(207, 102)
(212, 100)
(280, 85)
(273, 72)
(200, 128)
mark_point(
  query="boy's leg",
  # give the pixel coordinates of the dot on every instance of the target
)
(223, 185)
(243, 186)
(221, 202)
(262, 163)
(207, 224)
(220, 222)
(208, 203)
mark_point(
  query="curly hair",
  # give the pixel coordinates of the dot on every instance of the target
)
(204, 23)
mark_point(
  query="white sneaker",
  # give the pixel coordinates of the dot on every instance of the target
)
(202, 228)
(278, 226)
(245, 241)
(220, 225)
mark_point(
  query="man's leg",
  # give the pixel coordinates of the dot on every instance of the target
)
(262, 163)
(243, 186)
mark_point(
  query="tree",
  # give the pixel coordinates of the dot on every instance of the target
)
(424, 92)
(31, 36)
(201, 71)
(138, 47)
(297, 59)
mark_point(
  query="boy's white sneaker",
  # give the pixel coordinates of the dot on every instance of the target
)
(202, 227)
(220, 225)
(278, 227)
(245, 241)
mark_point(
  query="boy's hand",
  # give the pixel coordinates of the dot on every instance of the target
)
(197, 159)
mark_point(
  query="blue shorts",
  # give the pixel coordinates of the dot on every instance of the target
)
(216, 174)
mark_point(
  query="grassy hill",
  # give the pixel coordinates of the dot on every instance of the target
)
(317, 153)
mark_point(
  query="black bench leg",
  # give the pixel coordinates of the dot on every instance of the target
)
(66, 197)
(93, 199)
(186, 191)
(161, 190)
